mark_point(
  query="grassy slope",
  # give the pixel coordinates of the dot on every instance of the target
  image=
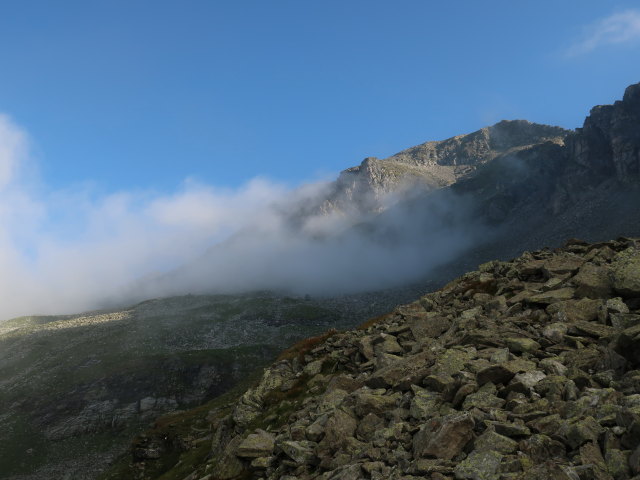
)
(172, 432)
(51, 368)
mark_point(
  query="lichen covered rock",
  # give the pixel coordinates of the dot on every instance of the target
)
(626, 273)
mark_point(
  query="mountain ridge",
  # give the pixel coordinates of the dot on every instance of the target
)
(605, 147)
(512, 182)
(436, 164)
(511, 198)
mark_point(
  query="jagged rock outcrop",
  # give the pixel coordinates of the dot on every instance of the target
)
(527, 369)
(509, 166)
(609, 141)
(606, 150)
(572, 177)
(434, 164)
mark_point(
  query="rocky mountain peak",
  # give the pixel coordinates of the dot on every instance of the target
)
(509, 134)
(608, 144)
(632, 96)
(480, 146)
(435, 164)
(508, 158)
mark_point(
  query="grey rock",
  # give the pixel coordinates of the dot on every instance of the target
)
(592, 281)
(492, 441)
(404, 373)
(521, 345)
(348, 472)
(581, 431)
(374, 401)
(529, 379)
(444, 437)
(258, 444)
(616, 305)
(626, 273)
(484, 398)
(301, 452)
(340, 426)
(228, 465)
(541, 448)
(552, 366)
(555, 332)
(479, 465)
(424, 403)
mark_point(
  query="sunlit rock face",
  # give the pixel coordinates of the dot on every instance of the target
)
(509, 163)
(434, 165)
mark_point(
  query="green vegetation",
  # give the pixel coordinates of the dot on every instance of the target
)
(180, 457)
(71, 386)
(174, 431)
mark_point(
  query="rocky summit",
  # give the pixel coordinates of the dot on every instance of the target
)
(525, 369)
(436, 164)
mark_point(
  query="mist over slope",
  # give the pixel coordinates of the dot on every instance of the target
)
(73, 250)
(490, 194)
(436, 209)
(331, 254)
(384, 223)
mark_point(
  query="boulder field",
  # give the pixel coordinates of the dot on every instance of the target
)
(527, 369)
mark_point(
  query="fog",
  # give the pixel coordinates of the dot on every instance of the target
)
(66, 251)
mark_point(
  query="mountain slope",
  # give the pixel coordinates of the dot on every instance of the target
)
(503, 159)
(405, 219)
(74, 389)
(434, 164)
(526, 369)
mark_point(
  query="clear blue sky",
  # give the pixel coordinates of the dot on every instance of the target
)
(141, 94)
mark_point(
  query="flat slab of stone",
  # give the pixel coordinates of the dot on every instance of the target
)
(552, 296)
(259, 444)
(444, 437)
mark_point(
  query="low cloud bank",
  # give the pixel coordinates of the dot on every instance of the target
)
(69, 251)
(329, 256)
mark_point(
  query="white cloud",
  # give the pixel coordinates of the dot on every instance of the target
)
(13, 150)
(69, 251)
(619, 28)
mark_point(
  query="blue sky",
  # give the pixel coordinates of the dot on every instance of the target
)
(136, 134)
(142, 94)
